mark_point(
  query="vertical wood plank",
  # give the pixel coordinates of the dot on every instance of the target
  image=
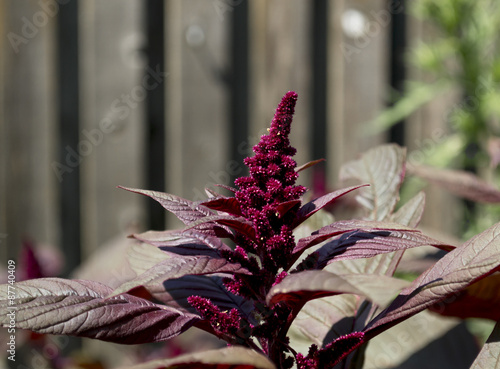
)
(280, 60)
(68, 124)
(28, 187)
(196, 106)
(112, 124)
(358, 79)
(427, 128)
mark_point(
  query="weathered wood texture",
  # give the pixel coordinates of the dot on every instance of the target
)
(196, 78)
(113, 89)
(28, 187)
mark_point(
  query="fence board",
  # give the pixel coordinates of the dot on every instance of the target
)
(198, 129)
(28, 188)
(280, 61)
(426, 128)
(197, 123)
(357, 78)
(112, 111)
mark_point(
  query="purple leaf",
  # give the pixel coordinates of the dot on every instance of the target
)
(307, 285)
(489, 357)
(479, 300)
(314, 206)
(308, 165)
(363, 239)
(235, 357)
(175, 266)
(180, 237)
(185, 210)
(474, 260)
(460, 183)
(286, 206)
(383, 168)
(319, 319)
(239, 224)
(175, 292)
(225, 204)
(79, 308)
(188, 242)
(336, 351)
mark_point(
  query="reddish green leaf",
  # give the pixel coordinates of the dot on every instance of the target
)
(235, 357)
(80, 308)
(474, 260)
(461, 183)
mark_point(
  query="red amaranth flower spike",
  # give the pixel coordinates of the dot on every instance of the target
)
(271, 183)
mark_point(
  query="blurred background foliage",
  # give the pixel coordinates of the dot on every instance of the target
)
(463, 58)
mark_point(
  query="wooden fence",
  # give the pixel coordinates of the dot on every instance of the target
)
(171, 95)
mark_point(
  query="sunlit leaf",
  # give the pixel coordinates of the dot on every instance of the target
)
(80, 308)
(308, 285)
(174, 267)
(479, 300)
(235, 357)
(489, 357)
(185, 210)
(382, 168)
(474, 260)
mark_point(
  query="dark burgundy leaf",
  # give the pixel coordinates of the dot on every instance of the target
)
(80, 308)
(235, 357)
(308, 285)
(479, 300)
(308, 165)
(175, 293)
(312, 284)
(225, 204)
(239, 224)
(285, 207)
(336, 351)
(314, 206)
(461, 183)
(174, 267)
(474, 260)
(185, 210)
